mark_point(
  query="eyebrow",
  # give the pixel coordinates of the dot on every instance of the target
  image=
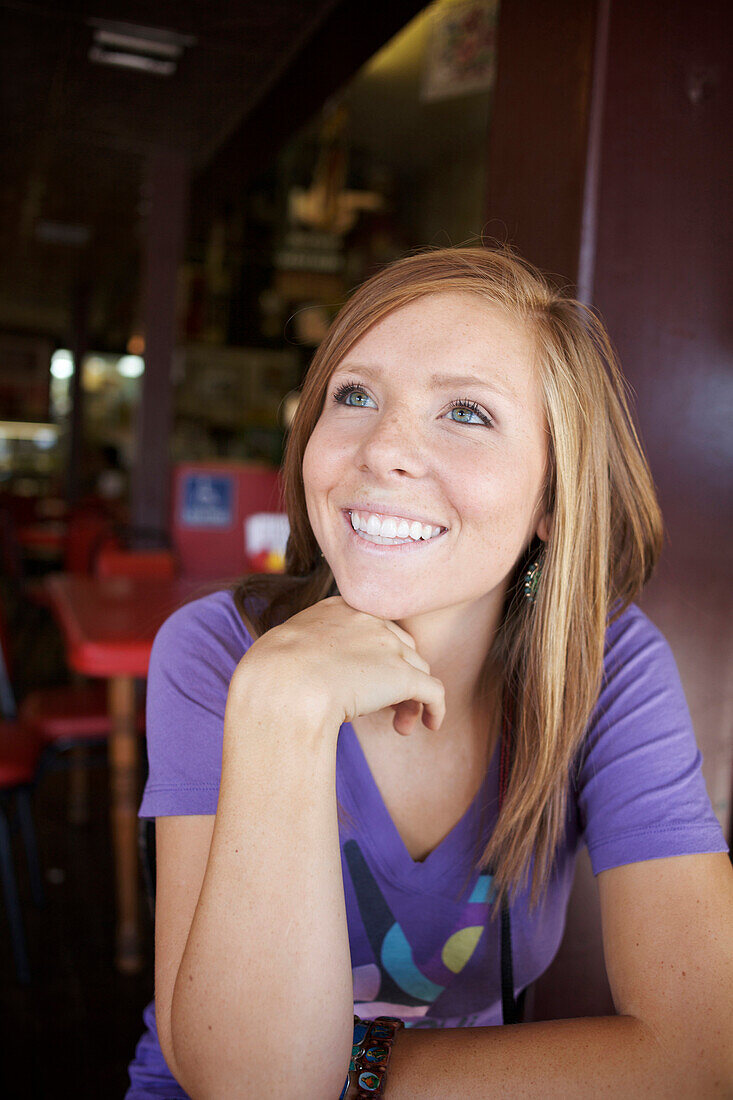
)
(436, 381)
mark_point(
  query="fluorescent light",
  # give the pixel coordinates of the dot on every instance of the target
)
(129, 46)
(138, 44)
(62, 233)
(132, 61)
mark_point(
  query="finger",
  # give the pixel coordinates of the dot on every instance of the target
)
(434, 709)
(412, 657)
(406, 715)
(401, 634)
(431, 699)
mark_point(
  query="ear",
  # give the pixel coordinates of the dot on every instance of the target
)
(544, 527)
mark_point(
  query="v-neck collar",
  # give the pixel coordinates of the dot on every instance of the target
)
(377, 833)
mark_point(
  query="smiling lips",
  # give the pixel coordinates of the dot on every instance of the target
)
(392, 528)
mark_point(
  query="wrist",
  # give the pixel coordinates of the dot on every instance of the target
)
(264, 698)
(370, 1055)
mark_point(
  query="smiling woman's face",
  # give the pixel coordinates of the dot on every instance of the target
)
(401, 443)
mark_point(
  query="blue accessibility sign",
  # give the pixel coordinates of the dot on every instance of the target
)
(208, 501)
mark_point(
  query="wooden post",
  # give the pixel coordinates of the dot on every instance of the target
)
(79, 348)
(167, 197)
(123, 762)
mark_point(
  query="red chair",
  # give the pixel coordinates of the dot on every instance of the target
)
(63, 720)
(19, 755)
(113, 561)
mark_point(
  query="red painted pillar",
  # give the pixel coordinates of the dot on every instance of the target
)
(538, 134)
(663, 280)
(610, 164)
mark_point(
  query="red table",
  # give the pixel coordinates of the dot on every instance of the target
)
(109, 625)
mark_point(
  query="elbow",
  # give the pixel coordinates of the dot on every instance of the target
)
(210, 1066)
(271, 1081)
(201, 1063)
(694, 1062)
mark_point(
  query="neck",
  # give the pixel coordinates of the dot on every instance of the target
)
(455, 642)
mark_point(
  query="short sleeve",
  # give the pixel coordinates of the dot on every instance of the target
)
(193, 659)
(640, 789)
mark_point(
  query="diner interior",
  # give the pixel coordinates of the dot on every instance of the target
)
(190, 191)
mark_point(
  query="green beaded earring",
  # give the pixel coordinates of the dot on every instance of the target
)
(532, 580)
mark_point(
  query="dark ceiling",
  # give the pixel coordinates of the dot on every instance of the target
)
(75, 135)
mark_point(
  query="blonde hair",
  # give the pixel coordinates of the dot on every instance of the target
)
(605, 539)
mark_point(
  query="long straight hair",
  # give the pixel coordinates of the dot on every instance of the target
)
(605, 539)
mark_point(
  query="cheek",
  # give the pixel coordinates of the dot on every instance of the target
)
(307, 468)
(320, 474)
(315, 462)
(499, 504)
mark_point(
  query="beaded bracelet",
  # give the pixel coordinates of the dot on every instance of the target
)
(373, 1041)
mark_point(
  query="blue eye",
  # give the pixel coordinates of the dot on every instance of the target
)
(346, 389)
(474, 409)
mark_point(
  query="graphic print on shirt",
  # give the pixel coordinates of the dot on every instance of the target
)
(394, 985)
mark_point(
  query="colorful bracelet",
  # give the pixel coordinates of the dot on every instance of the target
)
(373, 1041)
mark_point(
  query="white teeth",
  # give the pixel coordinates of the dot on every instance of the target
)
(392, 527)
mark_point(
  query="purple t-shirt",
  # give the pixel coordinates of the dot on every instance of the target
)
(422, 947)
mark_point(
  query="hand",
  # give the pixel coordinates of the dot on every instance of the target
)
(348, 662)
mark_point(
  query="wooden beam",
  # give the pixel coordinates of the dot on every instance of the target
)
(352, 32)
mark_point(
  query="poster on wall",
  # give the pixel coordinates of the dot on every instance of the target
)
(231, 386)
(461, 55)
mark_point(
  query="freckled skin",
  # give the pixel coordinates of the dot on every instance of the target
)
(406, 445)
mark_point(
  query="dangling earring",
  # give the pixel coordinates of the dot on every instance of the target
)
(531, 580)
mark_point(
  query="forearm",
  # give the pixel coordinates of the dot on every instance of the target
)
(263, 999)
(603, 1056)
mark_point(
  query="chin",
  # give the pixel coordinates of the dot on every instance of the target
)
(380, 602)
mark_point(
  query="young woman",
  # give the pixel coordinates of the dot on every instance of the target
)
(371, 775)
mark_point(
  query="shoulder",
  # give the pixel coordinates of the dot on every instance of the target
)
(640, 677)
(633, 636)
(193, 660)
(639, 782)
(200, 644)
(213, 620)
(638, 662)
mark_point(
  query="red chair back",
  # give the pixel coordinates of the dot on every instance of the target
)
(111, 561)
(85, 533)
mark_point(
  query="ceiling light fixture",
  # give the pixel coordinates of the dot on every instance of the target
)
(77, 236)
(129, 46)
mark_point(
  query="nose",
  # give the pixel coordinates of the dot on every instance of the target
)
(392, 444)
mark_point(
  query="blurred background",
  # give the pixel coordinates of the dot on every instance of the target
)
(188, 194)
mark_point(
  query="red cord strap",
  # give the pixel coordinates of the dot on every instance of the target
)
(511, 1009)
